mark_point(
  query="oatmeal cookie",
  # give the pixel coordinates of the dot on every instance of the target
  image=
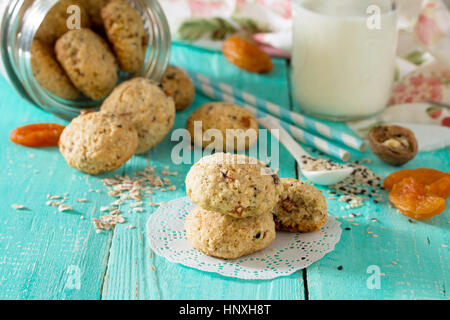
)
(96, 142)
(224, 116)
(88, 62)
(179, 86)
(232, 184)
(126, 33)
(148, 108)
(49, 73)
(222, 236)
(54, 24)
(302, 208)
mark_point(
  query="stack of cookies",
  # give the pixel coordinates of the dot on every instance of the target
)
(241, 202)
(235, 195)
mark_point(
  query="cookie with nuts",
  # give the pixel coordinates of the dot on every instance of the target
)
(49, 73)
(223, 236)
(146, 106)
(125, 30)
(233, 184)
(96, 142)
(237, 126)
(88, 62)
(302, 208)
(179, 86)
(55, 23)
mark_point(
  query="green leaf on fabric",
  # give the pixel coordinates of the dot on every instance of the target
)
(215, 28)
(416, 57)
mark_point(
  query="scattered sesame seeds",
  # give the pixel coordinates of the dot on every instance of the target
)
(18, 206)
(363, 184)
(53, 197)
(319, 164)
(81, 200)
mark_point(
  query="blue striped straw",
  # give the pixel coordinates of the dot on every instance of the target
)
(298, 119)
(299, 134)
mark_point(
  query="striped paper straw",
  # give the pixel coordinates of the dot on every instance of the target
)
(299, 134)
(303, 121)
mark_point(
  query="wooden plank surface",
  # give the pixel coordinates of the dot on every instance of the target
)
(410, 257)
(46, 254)
(43, 252)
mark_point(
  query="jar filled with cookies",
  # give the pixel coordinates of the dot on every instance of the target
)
(66, 56)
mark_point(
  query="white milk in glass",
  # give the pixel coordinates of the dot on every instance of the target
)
(343, 56)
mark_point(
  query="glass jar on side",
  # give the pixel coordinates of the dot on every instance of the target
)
(19, 23)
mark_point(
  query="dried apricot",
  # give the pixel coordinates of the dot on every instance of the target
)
(246, 55)
(423, 176)
(440, 187)
(37, 135)
(413, 200)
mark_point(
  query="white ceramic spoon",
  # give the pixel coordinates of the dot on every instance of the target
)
(322, 177)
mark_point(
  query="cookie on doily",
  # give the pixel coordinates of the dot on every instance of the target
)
(233, 184)
(302, 208)
(222, 236)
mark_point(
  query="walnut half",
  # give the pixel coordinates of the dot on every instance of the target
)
(393, 144)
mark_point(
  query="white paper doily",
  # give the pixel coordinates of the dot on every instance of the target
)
(287, 254)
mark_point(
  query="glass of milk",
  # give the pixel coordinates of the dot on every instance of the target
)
(343, 60)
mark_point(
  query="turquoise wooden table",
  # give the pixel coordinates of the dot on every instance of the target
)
(46, 254)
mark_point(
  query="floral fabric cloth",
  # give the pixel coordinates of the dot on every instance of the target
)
(422, 88)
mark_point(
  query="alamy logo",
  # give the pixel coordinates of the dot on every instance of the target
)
(374, 20)
(74, 20)
(73, 277)
(374, 280)
(235, 139)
